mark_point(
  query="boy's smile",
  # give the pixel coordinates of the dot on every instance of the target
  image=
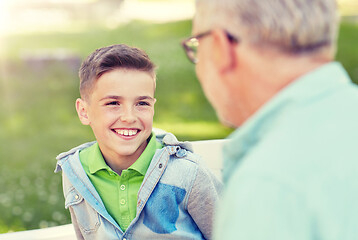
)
(126, 132)
(120, 111)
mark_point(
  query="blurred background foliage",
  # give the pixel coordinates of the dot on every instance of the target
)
(39, 85)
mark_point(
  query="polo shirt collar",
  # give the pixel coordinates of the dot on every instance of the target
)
(144, 160)
(96, 161)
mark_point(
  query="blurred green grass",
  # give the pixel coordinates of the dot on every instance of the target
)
(38, 118)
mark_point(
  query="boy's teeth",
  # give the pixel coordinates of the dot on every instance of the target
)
(127, 132)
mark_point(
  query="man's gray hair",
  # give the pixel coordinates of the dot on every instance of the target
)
(291, 25)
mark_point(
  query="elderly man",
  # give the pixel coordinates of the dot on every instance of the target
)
(291, 168)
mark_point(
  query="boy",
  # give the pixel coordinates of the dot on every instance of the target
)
(131, 184)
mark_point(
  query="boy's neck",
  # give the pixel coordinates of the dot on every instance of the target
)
(119, 163)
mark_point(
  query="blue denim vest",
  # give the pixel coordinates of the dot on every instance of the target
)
(170, 200)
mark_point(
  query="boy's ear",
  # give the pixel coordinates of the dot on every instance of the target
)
(81, 108)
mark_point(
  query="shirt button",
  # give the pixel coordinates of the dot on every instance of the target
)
(123, 187)
(77, 197)
(123, 201)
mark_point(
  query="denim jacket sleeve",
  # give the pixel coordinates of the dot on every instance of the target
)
(203, 199)
(79, 235)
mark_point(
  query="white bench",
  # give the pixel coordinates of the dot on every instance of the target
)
(210, 150)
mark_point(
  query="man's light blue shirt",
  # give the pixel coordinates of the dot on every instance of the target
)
(291, 171)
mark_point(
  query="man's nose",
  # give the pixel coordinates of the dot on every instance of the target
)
(127, 115)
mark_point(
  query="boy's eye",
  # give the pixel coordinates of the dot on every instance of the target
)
(143, 103)
(112, 103)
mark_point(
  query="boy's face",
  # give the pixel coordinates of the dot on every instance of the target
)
(120, 111)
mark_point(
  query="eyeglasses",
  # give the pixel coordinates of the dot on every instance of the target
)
(191, 45)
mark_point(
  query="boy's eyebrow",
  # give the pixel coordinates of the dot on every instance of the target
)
(145, 98)
(120, 97)
(111, 97)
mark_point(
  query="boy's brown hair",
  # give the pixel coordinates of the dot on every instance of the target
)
(109, 58)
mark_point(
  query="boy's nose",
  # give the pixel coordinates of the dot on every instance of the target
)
(127, 115)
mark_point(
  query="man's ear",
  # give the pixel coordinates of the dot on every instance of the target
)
(81, 108)
(223, 51)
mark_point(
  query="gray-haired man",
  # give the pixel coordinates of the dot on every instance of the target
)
(291, 168)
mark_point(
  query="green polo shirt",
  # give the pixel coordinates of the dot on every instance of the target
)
(118, 192)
